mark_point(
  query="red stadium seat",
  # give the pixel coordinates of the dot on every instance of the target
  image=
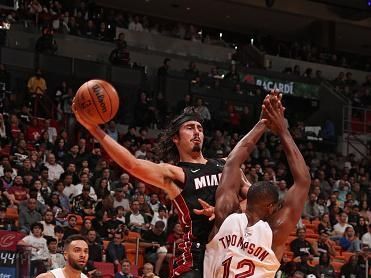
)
(106, 269)
(337, 266)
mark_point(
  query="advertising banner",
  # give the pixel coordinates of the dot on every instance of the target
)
(295, 88)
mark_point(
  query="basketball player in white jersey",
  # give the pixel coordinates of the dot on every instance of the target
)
(251, 244)
(76, 254)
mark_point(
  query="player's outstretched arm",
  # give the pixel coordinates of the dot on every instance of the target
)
(285, 220)
(227, 194)
(160, 175)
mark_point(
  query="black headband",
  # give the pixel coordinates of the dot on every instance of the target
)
(189, 114)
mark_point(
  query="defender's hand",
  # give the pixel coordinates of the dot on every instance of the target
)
(206, 210)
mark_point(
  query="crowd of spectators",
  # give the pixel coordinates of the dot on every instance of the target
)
(60, 186)
(59, 182)
(86, 19)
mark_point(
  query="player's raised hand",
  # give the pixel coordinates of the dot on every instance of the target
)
(274, 111)
(206, 210)
(84, 122)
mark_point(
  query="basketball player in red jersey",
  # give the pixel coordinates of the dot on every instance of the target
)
(194, 177)
(252, 243)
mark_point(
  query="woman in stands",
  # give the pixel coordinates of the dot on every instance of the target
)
(324, 267)
(325, 224)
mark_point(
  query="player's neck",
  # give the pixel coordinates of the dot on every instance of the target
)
(252, 217)
(70, 272)
(193, 158)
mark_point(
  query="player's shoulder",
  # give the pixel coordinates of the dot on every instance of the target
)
(46, 275)
(235, 217)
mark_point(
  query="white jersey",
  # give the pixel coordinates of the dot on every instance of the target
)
(58, 273)
(241, 251)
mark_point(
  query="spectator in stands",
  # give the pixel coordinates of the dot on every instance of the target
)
(349, 81)
(144, 208)
(56, 259)
(73, 26)
(148, 271)
(120, 214)
(361, 226)
(100, 223)
(6, 181)
(202, 109)
(311, 209)
(95, 249)
(350, 242)
(37, 85)
(324, 245)
(233, 74)
(112, 130)
(352, 268)
(54, 169)
(83, 204)
(340, 227)
(3, 132)
(300, 246)
(59, 234)
(89, 30)
(136, 220)
(125, 270)
(366, 238)
(135, 25)
(87, 225)
(116, 250)
(29, 216)
(70, 229)
(48, 224)
(174, 238)
(160, 215)
(120, 199)
(104, 34)
(304, 266)
(187, 101)
(46, 44)
(154, 202)
(120, 56)
(144, 111)
(39, 249)
(162, 73)
(84, 182)
(324, 269)
(102, 189)
(155, 240)
(325, 224)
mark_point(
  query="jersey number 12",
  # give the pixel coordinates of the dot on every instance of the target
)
(245, 262)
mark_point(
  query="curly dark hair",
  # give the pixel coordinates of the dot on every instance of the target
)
(166, 149)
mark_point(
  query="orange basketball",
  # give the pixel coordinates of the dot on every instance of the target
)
(97, 100)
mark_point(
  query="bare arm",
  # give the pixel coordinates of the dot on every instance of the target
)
(160, 175)
(227, 194)
(285, 220)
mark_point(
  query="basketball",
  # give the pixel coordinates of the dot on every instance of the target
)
(97, 100)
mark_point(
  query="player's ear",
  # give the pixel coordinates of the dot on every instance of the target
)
(65, 255)
(175, 138)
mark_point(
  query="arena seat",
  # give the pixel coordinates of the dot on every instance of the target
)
(337, 266)
(106, 269)
(12, 213)
(347, 255)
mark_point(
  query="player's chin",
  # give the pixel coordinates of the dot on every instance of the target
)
(196, 148)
